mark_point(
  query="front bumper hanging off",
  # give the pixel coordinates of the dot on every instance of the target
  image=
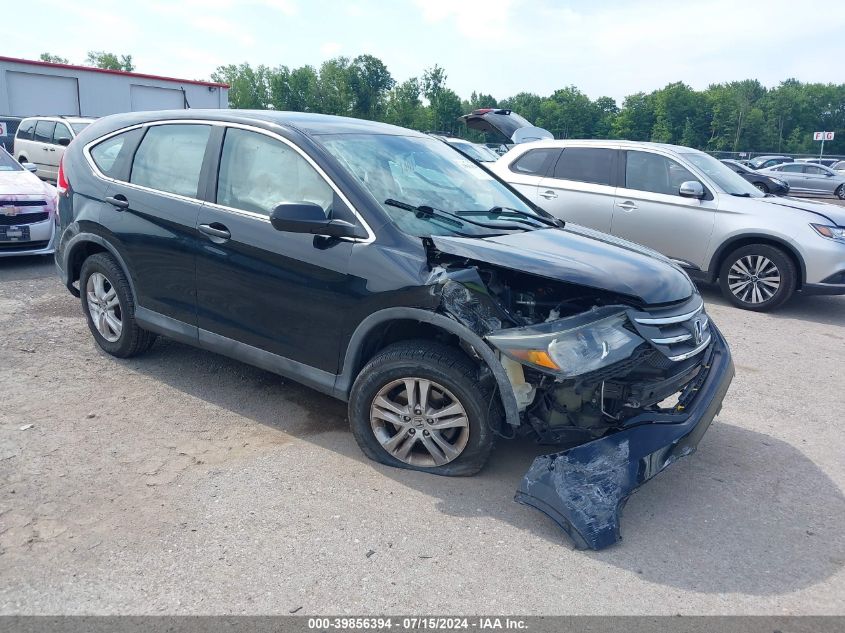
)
(583, 489)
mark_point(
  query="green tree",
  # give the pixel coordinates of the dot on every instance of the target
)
(248, 86)
(109, 61)
(53, 59)
(369, 81)
(404, 106)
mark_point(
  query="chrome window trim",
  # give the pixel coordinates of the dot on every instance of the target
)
(86, 151)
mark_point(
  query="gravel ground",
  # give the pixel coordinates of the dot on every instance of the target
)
(182, 482)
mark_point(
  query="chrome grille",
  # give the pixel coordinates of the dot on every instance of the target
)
(677, 334)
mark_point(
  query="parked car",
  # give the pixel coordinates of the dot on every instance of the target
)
(378, 265)
(806, 178)
(476, 151)
(827, 162)
(42, 141)
(8, 127)
(27, 210)
(763, 182)
(693, 209)
(762, 162)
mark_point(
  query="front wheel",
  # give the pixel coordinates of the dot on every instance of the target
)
(762, 187)
(840, 192)
(758, 277)
(419, 405)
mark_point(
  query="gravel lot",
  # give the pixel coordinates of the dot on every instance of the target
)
(183, 482)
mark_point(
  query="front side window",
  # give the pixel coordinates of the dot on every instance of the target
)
(535, 162)
(170, 158)
(645, 171)
(815, 170)
(44, 131)
(25, 130)
(585, 164)
(257, 173)
(61, 132)
(725, 179)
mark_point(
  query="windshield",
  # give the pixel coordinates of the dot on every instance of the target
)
(7, 163)
(78, 127)
(477, 152)
(425, 172)
(839, 165)
(725, 178)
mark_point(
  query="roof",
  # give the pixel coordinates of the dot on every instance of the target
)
(612, 142)
(32, 62)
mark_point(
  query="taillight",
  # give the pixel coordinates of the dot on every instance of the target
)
(62, 184)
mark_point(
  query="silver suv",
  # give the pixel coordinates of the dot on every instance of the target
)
(42, 140)
(693, 209)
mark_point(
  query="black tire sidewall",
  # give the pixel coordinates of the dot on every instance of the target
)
(106, 265)
(399, 361)
(786, 268)
(762, 187)
(840, 192)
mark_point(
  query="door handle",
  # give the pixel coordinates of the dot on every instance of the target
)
(548, 194)
(215, 230)
(119, 201)
(52, 149)
(627, 205)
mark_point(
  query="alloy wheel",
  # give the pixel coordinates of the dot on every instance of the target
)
(754, 279)
(419, 422)
(104, 306)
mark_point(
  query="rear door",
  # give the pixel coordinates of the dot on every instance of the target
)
(151, 211)
(274, 291)
(649, 210)
(526, 172)
(581, 187)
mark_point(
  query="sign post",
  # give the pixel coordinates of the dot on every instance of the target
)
(822, 136)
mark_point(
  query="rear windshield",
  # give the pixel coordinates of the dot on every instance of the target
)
(7, 163)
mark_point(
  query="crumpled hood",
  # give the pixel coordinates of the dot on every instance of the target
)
(20, 183)
(832, 212)
(579, 256)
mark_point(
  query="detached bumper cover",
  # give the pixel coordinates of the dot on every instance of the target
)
(583, 489)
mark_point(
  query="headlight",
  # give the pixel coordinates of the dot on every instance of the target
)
(830, 232)
(779, 182)
(572, 346)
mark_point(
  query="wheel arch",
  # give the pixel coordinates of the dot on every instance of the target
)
(80, 248)
(395, 324)
(746, 239)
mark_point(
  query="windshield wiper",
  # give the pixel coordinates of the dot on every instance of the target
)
(512, 213)
(741, 195)
(425, 211)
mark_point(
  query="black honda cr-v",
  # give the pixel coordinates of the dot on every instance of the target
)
(383, 267)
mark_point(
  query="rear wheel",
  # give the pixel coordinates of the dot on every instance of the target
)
(762, 187)
(418, 405)
(758, 277)
(109, 308)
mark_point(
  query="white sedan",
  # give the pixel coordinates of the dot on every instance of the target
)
(28, 209)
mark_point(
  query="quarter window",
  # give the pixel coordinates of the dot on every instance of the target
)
(535, 162)
(645, 171)
(257, 173)
(170, 158)
(585, 164)
(44, 131)
(25, 130)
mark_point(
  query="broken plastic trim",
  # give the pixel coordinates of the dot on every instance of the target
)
(584, 488)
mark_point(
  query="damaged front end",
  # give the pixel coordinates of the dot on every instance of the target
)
(628, 390)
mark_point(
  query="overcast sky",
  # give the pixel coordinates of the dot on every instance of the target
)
(501, 47)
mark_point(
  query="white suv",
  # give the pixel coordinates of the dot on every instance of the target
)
(42, 140)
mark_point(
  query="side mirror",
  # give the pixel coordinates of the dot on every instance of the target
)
(307, 217)
(691, 189)
(64, 141)
(30, 167)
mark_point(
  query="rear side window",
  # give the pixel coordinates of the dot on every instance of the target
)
(257, 173)
(585, 164)
(44, 131)
(170, 158)
(535, 162)
(25, 130)
(112, 156)
(645, 171)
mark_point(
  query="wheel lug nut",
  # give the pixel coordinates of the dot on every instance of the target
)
(426, 433)
(407, 418)
(412, 431)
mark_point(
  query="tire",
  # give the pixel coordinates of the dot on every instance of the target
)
(131, 340)
(762, 187)
(22, 160)
(447, 370)
(763, 277)
(840, 192)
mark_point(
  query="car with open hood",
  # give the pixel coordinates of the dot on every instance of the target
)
(27, 210)
(383, 267)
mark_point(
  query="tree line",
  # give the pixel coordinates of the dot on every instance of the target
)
(737, 116)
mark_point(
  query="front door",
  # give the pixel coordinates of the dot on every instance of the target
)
(275, 291)
(650, 211)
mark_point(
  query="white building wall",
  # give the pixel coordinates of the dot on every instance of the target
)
(99, 93)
